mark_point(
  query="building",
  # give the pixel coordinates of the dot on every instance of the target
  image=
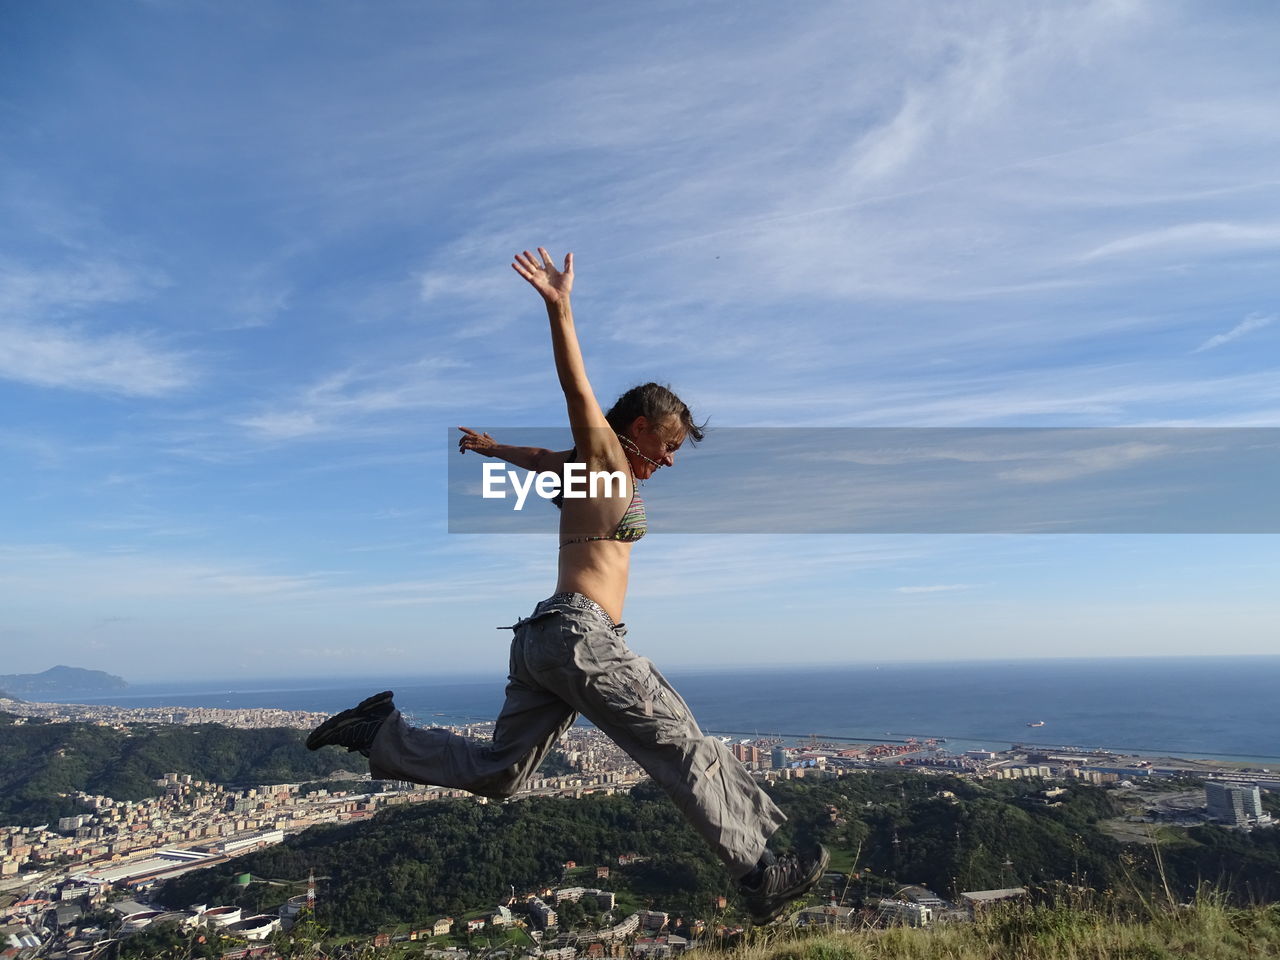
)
(543, 916)
(653, 921)
(257, 927)
(921, 895)
(747, 753)
(905, 912)
(1233, 803)
(1021, 772)
(620, 931)
(659, 947)
(977, 900)
(840, 918)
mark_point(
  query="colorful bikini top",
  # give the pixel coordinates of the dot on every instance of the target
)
(634, 523)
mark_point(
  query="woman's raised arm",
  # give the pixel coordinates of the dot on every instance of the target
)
(591, 432)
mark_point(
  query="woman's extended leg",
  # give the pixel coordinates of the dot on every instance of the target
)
(530, 723)
(532, 720)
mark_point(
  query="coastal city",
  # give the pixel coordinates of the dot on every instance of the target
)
(69, 885)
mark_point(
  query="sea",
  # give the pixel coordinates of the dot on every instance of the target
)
(1220, 707)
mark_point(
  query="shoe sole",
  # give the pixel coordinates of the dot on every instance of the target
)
(320, 735)
(799, 890)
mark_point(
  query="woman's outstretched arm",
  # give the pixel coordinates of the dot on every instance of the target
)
(539, 459)
(591, 433)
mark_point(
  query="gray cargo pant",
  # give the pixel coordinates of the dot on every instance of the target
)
(565, 661)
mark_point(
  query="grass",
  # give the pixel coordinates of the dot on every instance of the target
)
(1084, 927)
(842, 859)
(1207, 930)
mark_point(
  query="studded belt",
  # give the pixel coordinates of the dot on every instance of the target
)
(581, 602)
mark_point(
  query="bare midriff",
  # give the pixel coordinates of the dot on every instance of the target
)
(597, 569)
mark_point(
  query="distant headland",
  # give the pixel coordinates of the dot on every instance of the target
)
(60, 681)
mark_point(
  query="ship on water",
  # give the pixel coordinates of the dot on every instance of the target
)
(1035, 723)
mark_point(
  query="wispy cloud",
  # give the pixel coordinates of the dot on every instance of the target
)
(1255, 321)
(353, 398)
(74, 359)
(690, 566)
(1073, 464)
(1200, 239)
(47, 571)
(41, 342)
(257, 307)
(1039, 457)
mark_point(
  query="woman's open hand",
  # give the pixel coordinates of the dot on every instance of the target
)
(481, 443)
(553, 284)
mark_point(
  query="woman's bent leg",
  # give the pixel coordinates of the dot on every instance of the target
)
(633, 704)
(710, 786)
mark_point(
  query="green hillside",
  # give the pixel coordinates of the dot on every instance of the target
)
(415, 862)
(39, 761)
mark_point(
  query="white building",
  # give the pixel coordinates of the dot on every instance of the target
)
(1233, 803)
(905, 912)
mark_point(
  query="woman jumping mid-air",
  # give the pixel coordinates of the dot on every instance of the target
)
(569, 657)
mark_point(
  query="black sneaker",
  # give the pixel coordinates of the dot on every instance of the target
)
(787, 878)
(354, 728)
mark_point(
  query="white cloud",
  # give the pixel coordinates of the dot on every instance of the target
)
(354, 399)
(1104, 394)
(40, 346)
(1194, 239)
(27, 290)
(1039, 457)
(284, 425)
(51, 572)
(1255, 321)
(74, 359)
(257, 307)
(693, 566)
(1072, 464)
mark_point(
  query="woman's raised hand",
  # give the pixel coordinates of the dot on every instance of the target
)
(553, 284)
(479, 442)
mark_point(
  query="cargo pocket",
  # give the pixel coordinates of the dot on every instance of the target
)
(548, 640)
(634, 694)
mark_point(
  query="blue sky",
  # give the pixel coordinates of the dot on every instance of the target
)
(254, 267)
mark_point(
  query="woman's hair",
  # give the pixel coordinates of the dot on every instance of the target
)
(654, 402)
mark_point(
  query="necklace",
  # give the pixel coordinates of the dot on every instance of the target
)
(631, 445)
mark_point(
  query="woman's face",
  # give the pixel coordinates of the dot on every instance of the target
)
(657, 441)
